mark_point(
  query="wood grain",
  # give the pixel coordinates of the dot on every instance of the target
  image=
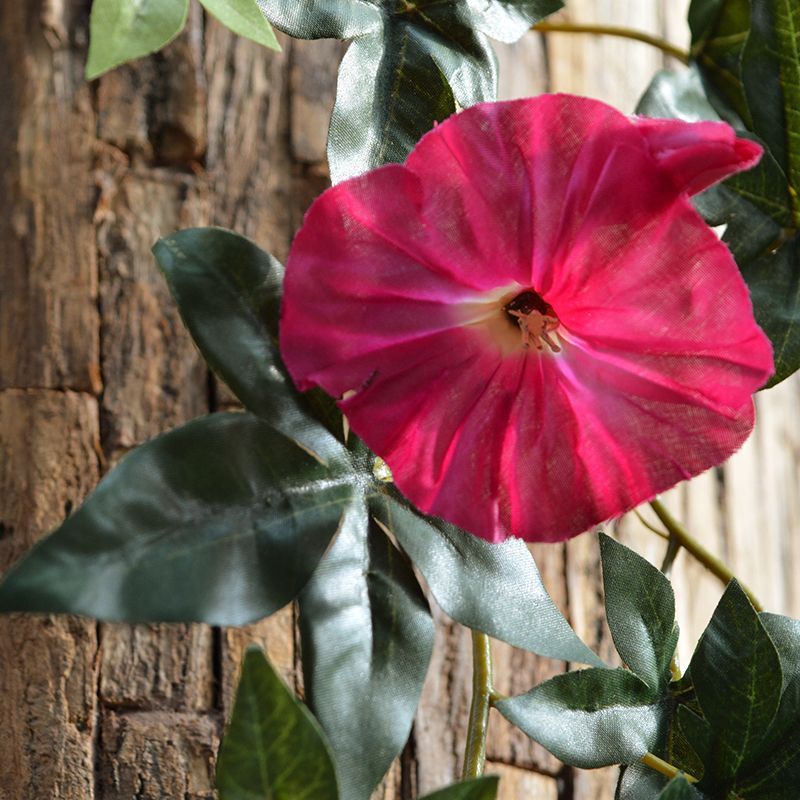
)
(93, 360)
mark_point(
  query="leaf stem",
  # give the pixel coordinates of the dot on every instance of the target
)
(482, 693)
(665, 768)
(679, 534)
(615, 30)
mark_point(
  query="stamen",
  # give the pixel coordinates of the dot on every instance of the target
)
(536, 320)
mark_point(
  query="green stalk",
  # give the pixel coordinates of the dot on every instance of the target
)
(665, 768)
(716, 567)
(482, 694)
(615, 30)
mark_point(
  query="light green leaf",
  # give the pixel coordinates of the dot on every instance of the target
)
(367, 638)
(590, 718)
(221, 521)
(123, 30)
(273, 747)
(640, 607)
(737, 679)
(494, 588)
(484, 788)
(244, 18)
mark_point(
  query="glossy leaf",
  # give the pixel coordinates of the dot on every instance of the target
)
(640, 607)
(590, 718)
(638, 782)
(228, 291)
(221, 521)
(495, 588)
(244, 18)
(367, 638)
(273, 747)
(121, 30)
(397, 67)
(737, 680)
(410, 65)
(484, 788)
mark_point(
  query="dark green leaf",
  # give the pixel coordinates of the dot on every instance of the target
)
(719, 32)
(228, 291)
(273, 747)
(698, 735)
(775, 771)
(737, 679)
(244, 18)
(367, 638)
(476, 789)
(771, 76)
(221, 521)
(495, 588)
(121, 31)
(679, 789)
(409, 65)
(640, 607)
(590, 718)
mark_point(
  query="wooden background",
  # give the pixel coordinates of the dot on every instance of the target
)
(93, 360)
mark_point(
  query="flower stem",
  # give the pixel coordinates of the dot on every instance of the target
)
(680, 535)
(482, 693)
(665, 768)
(615, 30)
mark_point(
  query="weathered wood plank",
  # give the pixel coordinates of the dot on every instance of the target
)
(48, 271)
(48, 670)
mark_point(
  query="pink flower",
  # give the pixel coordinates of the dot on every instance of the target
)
(528, 320)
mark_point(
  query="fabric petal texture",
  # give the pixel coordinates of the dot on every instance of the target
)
(528, 321)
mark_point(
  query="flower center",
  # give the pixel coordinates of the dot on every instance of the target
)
(536, 320)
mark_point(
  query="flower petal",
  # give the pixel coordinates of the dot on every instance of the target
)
(698, 154)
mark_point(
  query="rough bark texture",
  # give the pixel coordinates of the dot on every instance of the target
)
(93, 360)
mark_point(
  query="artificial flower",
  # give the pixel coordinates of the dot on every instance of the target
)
(528, 320)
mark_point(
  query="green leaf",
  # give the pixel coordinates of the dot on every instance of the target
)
(273, 747)
(494, 588)
(221, 521)
(323, 19)
(410, 64)
(679, 789)
(737, 680)
(775, 771)
(698, 734)
(367, 638)
(484, 788)
(640, 607)
(638, 782)
(228, 291)
(719, 32)
(123, 30)
(590, 718)
(771, 76)
(394, 85)
(244, 18)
